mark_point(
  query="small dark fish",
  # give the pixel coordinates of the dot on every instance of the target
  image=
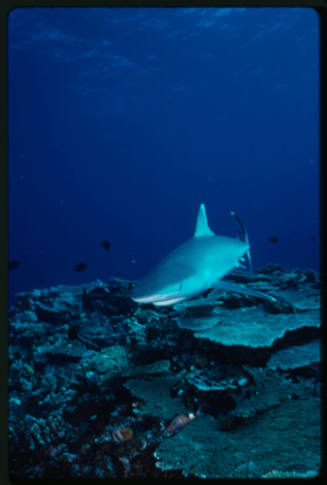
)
(313, 239)
(80, 267)
(13, 264)
(273, 239)
(106, 245)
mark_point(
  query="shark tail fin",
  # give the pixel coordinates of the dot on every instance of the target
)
(202, 228)
(244, 235)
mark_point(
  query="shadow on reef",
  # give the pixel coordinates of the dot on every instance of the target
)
(224, 385)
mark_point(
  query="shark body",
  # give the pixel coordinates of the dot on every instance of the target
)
(194, 267)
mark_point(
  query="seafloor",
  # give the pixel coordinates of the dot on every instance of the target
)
(225, 385)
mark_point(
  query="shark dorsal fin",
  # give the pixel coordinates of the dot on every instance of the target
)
(202, 229)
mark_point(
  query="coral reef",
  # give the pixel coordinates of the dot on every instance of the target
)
(155, 394)
(287, 436)
(221, 386)
(296, 357)
(253, 327)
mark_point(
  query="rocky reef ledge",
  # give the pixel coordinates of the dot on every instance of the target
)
(221, 386)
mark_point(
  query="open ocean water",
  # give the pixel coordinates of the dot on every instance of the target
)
(122, 121)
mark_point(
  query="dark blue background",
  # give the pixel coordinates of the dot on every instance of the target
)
(122, 121)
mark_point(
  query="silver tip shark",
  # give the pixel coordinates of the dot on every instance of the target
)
(196, 266)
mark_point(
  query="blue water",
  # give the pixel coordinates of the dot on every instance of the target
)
(122, 121)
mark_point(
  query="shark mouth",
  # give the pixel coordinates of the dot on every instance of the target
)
(160, 300)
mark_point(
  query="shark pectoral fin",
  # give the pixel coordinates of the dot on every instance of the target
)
(226, 285)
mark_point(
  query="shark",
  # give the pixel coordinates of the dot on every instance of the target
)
(196, 266)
